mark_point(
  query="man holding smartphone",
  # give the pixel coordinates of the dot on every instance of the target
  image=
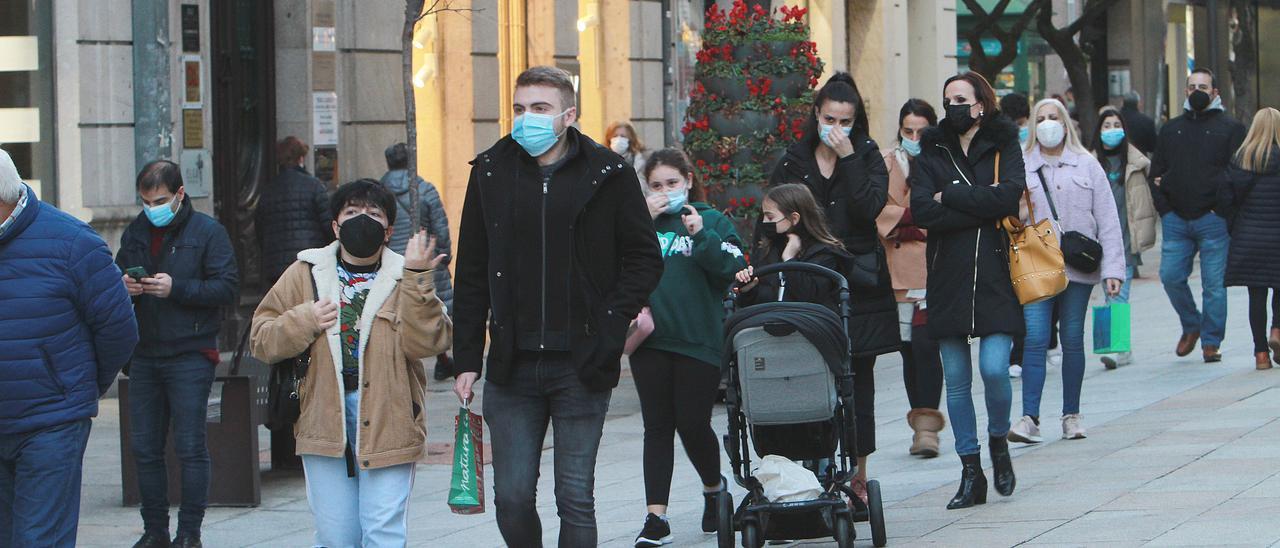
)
(180, 270)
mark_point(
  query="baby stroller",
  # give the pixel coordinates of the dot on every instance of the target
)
(789, 393)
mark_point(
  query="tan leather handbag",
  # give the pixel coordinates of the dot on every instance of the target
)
(1036, 265)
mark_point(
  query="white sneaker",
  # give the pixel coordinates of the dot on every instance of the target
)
(1071, 429)
(1055, 357)
(1025, 431)
(1015, 371)
(1112, 362)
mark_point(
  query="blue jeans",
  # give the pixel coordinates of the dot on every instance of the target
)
(369, 510)
(1182, 240)
(993, 365)
(163, 393)
(1073, 305)
(40, 485)
(544, 389)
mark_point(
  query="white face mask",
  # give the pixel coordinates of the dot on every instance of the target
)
(620, 145)
(1050, 133)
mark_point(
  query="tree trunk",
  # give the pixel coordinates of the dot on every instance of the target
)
(1075, 61)
(1243, 43)
(412, 13)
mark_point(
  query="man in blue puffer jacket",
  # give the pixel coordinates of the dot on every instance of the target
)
(66, 329)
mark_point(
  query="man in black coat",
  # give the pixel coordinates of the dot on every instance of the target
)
(293, 213)
(1139, 127)
(1190, 165)
(180, 270)
(556, 255)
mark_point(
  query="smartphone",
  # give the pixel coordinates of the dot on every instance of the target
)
(137, 273)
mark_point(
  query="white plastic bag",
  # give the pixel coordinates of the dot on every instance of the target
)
(786, 481)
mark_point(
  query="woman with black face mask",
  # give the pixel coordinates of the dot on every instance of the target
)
(969, 175)
(844, 170)
(367, 316)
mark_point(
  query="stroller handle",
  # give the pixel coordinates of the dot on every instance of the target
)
(797, 266)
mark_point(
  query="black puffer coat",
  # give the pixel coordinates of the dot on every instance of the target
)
(1253, 199)
(852, 199)
(292, 215)
(969, 290)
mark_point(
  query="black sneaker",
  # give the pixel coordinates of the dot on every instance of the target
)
(656, 532)
(444, 367)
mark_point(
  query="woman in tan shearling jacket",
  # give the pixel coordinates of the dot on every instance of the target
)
(362, 427)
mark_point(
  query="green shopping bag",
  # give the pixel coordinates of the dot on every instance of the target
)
(466, 490)
(1111, 328)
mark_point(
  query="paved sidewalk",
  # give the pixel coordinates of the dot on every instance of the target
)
(1178, 453)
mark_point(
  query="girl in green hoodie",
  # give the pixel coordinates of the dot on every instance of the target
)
(676, 369)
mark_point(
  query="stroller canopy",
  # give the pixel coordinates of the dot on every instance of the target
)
(818, 324)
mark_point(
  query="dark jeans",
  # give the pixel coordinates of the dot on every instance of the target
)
(544, 389)
(40, 485)
(676, 395)
(1258, 315)
(164, 393)
(922, 370)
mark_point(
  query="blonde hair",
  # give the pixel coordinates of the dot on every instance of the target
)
(1072, 138)
(1255, 153)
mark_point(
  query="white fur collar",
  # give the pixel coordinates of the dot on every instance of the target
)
(324, 270)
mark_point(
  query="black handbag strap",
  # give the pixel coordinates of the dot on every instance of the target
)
(1045, 185)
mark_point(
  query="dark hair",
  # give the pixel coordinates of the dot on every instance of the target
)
(1103, 114)
(550, 77)
(397, 156)
(363, 192)
(982, 93)
(796, 198)
(916, 107)
(1213, 78)
(290, 151)
(158, 173)
(674, 158)
(1015, 106)
(841, 89)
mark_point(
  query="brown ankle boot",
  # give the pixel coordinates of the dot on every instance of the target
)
(1262, 360)
(1274, 342)
(926, 423)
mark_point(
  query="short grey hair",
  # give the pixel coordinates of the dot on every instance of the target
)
(10, 183)
(1132, 98)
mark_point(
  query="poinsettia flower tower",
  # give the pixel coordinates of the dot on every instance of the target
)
(755, 77)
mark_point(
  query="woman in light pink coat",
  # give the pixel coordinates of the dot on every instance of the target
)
(1067, 184)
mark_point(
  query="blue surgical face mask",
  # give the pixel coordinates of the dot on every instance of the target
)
(676, 200)
(160, 215)
(1023, 134)
(824, 131)
(536, 133)
(912, 147)
(1112, 137)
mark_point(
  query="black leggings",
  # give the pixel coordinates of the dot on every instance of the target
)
(922, 370)
(1258, 315)
(676, 395)
(864, 403)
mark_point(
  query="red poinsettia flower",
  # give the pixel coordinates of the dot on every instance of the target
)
(733, 202)
(724, 168)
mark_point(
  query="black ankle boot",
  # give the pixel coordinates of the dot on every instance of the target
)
(973, 484)
(1002, 466)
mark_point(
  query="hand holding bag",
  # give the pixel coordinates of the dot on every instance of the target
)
(1081, 252)
(466, 489)
(1036, 266)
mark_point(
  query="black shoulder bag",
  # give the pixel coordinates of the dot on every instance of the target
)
(284, 405)
(1080, 252)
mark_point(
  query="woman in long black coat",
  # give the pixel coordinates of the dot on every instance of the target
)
(843, 169)
(1252, 203)
(955, 194)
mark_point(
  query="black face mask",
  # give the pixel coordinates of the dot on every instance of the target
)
(362, 236)
(770, 230)
(959, 119)
(1199, 100)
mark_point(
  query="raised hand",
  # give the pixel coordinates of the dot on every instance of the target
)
(417, 254)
